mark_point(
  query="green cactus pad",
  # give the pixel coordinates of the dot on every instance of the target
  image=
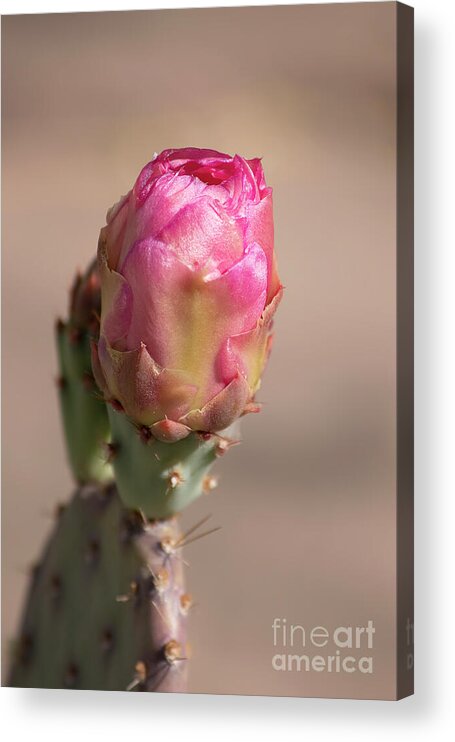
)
(106, 608)
(84, 413)
(158, 478)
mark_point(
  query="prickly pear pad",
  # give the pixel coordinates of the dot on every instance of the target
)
(83, 411)
(159, 478)
(106, 608)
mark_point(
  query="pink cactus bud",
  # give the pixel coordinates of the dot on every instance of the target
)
(189, 289)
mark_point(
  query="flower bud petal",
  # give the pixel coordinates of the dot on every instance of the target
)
(116, 302)
(222, 410)
(97, 369)
(204, 236)
(248, 351)
(169, 431)
(146, 392)
(260, 229)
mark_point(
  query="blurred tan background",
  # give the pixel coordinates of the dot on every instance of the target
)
(306, 504)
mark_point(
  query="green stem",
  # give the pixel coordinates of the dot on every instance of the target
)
(160, 479)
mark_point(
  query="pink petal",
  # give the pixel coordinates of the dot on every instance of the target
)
(146, 392)
(260, 229)
(113, 234)
(169, 431)
(160, 284)
(97, 369)
(247, 353)
(116, 301)
(241, 291)
(258, 172)
(201, 232)
(221, 410)
(117, 315)
(175, 391)
(166, 197)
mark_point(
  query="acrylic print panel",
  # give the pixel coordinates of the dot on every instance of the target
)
(301, 580)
